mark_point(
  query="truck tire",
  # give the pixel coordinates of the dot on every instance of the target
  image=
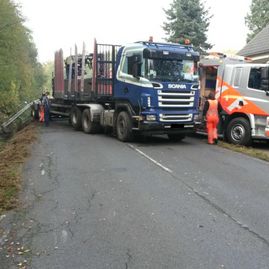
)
(176, 137)
(239, 132)
(75, 118)
(34, 114)
(88, 126)
(124, 127)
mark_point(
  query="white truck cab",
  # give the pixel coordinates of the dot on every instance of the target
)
(242, 88)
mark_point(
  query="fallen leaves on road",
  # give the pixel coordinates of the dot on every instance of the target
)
(12, 156)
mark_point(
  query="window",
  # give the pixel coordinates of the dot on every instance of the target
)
(237, 76)
(170, 70)
(254, 81)
(265, 79)
(211, 77)
(160, 69)
(128, 64)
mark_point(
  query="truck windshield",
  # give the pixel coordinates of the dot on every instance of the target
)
(170, 70)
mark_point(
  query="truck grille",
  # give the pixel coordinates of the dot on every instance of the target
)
(176, 98)
(175, 117)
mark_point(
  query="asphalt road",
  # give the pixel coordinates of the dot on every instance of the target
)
(90, 201)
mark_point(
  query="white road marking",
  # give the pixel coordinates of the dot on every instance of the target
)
(149, 158)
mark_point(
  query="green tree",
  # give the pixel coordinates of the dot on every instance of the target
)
(257, 18)
(48, 68)
(187, 19)
(21, 76)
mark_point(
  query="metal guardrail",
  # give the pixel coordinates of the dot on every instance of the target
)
(14, 117)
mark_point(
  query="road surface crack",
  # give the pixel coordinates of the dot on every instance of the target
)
(129, 259)
(90, 199)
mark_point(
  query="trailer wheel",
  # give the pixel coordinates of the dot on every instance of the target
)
(75, 118)
(124, 127)
(239, 132)
(176, 137)
(88, 126)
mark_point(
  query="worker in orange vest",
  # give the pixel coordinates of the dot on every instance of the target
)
(41, 113)
(41, 108)
(211, 113)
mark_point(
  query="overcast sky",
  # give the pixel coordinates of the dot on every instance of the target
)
(62, 23)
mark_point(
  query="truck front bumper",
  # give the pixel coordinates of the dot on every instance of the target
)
(163, 128)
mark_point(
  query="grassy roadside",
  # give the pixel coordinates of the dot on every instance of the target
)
(13, 154)
(256, 153)
(2, 143)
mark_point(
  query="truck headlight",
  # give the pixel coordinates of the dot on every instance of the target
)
(151, 117)
(145, 100)
(149, 101)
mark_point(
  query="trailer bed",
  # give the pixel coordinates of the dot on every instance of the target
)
(70, 85)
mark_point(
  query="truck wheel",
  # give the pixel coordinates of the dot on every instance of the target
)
(33, 114)
(75, 118)
(176, 137)
(239, 132)
(88, 126)
(124, 127)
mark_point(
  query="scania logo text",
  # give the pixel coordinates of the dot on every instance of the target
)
(176, 86)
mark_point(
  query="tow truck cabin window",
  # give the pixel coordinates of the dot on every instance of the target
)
(254, 81)
(237, 76)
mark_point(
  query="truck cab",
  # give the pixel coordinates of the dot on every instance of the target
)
(242, 89)
(158, 83)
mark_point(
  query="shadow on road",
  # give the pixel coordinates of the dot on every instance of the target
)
(63, 124)
(159, 140)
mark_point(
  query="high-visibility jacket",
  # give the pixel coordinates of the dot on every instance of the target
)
(212, 112)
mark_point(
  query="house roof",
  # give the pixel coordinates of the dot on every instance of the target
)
(258, 45)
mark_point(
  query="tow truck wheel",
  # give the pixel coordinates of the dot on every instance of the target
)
(124, 127)
(176, 137)
(239, 132)
(75, 118)
(88, 126)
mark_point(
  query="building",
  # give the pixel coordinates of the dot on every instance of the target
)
(258, 47)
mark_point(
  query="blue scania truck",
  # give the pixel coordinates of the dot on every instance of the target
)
(142, 88)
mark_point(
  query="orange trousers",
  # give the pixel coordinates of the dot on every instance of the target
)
(41, 114)
(212, 132)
